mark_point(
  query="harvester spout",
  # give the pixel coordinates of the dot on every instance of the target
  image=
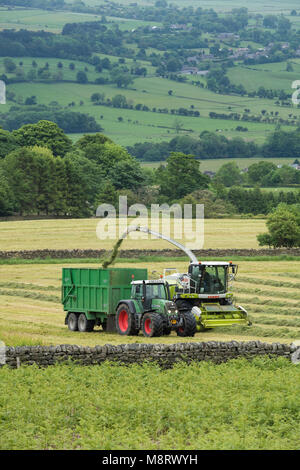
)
(138, 228)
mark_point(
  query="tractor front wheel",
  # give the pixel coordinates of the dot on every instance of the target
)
(125, 321)
(189, 326)
(152, 325)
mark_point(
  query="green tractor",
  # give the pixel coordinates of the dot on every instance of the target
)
(151, 310)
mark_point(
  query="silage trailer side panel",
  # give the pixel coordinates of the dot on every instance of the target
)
(96, 290)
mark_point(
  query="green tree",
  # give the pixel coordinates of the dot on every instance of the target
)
(6, 197)
(9, 65)
(90, 173)
(8, 143)
(107, 194)
(229, 174)
(127, 174)
(76, 194)
(45, 134)
(29, 172)
(257, 171)
(81, 77)
(283, 225)
(180, 176)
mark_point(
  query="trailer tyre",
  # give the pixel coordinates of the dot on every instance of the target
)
(125, 321)
(72, 321)
(152, 325)
(189, 325)
(85, 325)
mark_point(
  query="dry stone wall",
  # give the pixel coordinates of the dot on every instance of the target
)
(166, 355)
(66, 254)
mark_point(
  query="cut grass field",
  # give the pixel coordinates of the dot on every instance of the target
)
(31, 311)
(68, 234)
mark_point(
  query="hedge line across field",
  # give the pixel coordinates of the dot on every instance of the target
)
(67, 254)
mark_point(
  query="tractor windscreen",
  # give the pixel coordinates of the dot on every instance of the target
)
(213, 280)
(210, 279)
(156, 291)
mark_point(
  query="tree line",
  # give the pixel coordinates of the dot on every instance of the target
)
(210, 145)
(42, 172)
(69, 121)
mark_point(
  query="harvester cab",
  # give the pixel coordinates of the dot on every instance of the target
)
(205, 291)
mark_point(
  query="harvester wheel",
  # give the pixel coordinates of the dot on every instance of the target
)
(189, 325)
(72, 322)
(84, 324)
(152, 325)
(125, 321)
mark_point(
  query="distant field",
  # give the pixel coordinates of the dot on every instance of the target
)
(139, 126)
(271, 76)
(81, 234)
(215, 164)
(54, 21)
(256, 6)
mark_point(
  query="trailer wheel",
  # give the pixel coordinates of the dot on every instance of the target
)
(84, 324)
(152, 325)
(72, 322)
(125, 321)
(189, 325)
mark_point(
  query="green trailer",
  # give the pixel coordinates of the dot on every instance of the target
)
(91, 296)
(121, 300)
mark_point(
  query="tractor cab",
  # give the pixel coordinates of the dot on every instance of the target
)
(149, 291)
(156, 312)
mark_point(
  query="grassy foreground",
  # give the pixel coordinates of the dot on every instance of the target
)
(237, 405)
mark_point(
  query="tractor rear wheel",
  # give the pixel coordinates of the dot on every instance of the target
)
(152, 325)
(125, 321)
(189, 326)
(84, 324)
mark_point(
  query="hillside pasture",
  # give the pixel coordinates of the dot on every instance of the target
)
(270, 76)
(127, 127)
(54, 21)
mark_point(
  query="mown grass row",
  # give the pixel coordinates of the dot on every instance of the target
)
(270, 293)
(30, 286)
(30, 295)
(269, 282)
